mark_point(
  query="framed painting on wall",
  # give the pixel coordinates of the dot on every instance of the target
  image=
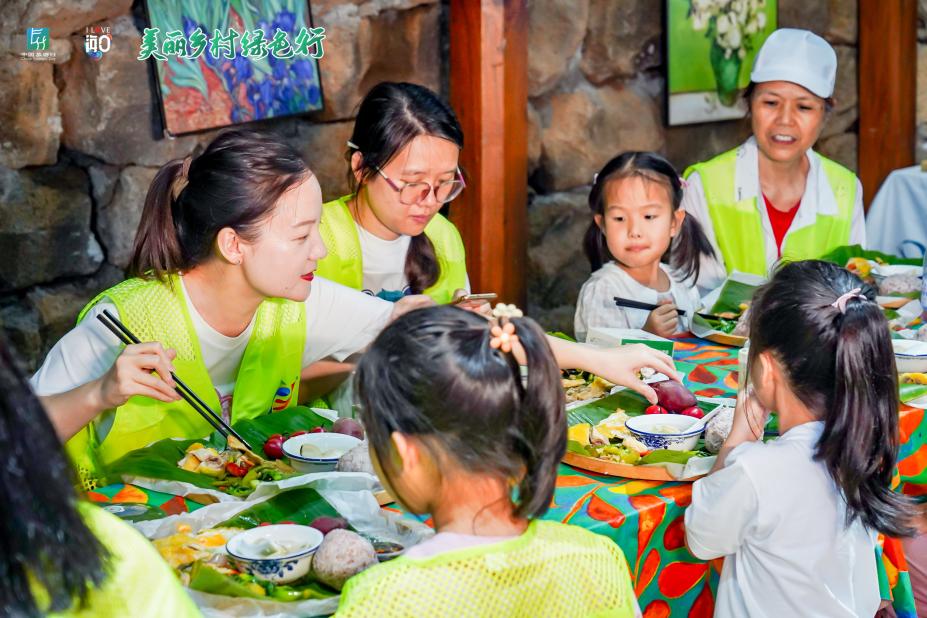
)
(710, 47)
(226, 62)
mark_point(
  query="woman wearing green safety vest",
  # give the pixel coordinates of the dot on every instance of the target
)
(222, 292)
(63, 556)
(774, 197)
(387, 238)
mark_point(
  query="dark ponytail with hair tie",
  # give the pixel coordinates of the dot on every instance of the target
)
(840, 363)
(235, 183)
(432, 374)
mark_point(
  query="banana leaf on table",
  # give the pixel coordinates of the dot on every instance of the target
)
(842, 255)
(159, 460)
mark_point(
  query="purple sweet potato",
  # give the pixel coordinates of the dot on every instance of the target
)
(674, 396)
(349, 426)
(325, 524)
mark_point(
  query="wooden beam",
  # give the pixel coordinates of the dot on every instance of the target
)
(887, 89)
(489, 92)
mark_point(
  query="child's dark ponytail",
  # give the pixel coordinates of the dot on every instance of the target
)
(860, 440)
(538, 431)
(432, 374)
(234, 183)
(840, 363)
(689, 245)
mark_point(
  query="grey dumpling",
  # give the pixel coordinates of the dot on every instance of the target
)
(718, 429)
(342, 555)
(356, 460)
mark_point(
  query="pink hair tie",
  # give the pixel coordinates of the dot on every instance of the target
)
(683, 183)
(841, 303)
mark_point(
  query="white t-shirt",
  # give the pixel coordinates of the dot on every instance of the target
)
(818, 199)
(596, 305)
(339, 322)
(385, 265)
(777, 517)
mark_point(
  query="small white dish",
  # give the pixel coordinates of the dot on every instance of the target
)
(880, 271)
(644, 428)
(910, 355)
(249, 551)
(324, 441)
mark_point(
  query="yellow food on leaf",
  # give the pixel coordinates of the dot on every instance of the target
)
(860, 266)
(579, 433)
(914, 378)
(194, 447)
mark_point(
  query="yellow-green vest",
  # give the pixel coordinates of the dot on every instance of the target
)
(268, 378)
(738, 225)
(344, 263)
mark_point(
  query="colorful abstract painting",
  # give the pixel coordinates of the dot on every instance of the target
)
(224, 62)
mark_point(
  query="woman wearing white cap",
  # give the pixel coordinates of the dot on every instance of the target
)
(774, 197)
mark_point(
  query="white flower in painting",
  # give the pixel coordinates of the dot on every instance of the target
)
(761, 20)
(723, 24)
(734, 38)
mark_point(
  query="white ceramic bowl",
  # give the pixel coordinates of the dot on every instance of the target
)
(910, 355)
(245, 550)
(292, 448)
(642, 428)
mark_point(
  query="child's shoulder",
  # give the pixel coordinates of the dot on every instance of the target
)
(609, 275)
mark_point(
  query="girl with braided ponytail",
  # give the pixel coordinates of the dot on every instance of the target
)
(796, 518)
(455, 430)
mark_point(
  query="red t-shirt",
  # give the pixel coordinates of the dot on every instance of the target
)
(780, 221)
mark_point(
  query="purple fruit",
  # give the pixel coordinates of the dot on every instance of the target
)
(673, 396)
(348, 426)
(325, 524)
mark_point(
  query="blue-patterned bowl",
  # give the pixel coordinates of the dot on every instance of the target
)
(247, 551)
(648, 429)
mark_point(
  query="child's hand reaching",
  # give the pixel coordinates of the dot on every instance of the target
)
(663, 320)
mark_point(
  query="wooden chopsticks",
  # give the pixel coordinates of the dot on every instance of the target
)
(125, 335)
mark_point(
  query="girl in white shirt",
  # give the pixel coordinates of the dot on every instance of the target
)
(796, 518)
(635, 203)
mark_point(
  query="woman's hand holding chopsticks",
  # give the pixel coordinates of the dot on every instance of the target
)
(142, 369)
(131, 374)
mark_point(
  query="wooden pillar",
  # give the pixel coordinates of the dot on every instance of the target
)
(489, 92)
(887, 89)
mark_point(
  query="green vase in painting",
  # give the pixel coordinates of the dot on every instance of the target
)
(727, 74)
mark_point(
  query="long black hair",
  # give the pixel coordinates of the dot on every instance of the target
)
(235, 183)
(690, 244)
(432, 374)
(390, 116)
(842, 366)
(42, 535)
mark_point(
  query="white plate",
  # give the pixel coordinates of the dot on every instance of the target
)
(887, 270)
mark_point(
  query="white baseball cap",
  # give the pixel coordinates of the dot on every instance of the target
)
(797, 56)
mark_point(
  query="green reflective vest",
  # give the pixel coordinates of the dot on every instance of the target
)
(268, 377)
(344, 263)
(738, 225)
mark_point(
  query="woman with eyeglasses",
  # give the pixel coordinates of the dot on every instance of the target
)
(387, 238)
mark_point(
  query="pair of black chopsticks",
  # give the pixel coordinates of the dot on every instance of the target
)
(636, 304)
(125, 335)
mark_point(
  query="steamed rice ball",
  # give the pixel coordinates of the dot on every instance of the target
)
(894, 285)
(342, 555)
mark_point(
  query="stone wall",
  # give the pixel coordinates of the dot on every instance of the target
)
(596, 88)
(80, 140)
